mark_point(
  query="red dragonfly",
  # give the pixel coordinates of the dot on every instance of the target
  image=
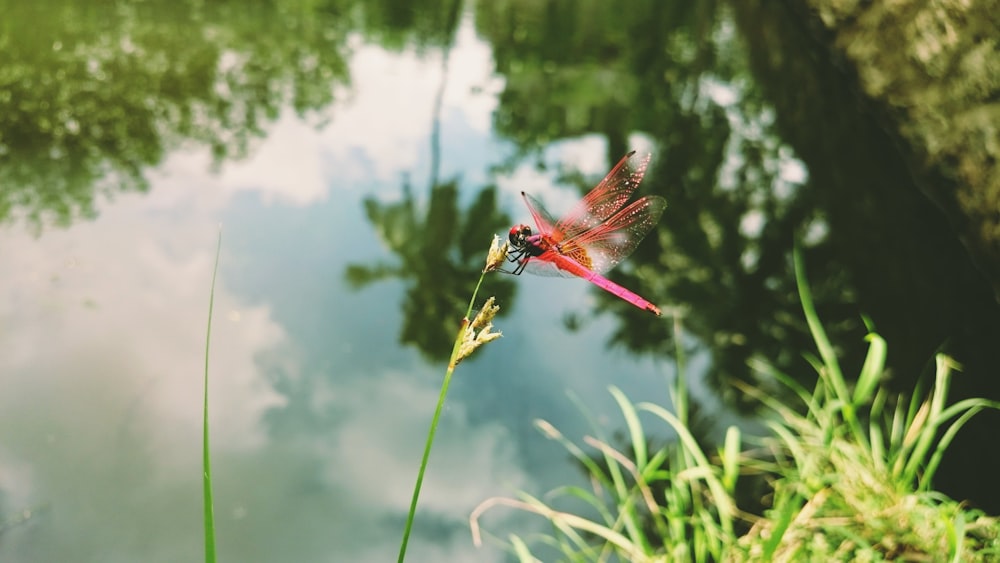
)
(595, 235)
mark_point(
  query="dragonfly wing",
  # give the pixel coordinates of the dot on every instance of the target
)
(610, 243)
(607, 197)
(543, 220)
(543, 265)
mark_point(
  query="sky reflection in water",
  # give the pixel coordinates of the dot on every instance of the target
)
(318, 414)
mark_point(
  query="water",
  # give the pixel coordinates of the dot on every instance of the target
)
(358, 160)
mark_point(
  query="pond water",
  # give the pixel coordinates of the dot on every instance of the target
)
(357, 159)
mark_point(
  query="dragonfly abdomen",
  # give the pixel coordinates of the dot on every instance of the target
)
(567, 264)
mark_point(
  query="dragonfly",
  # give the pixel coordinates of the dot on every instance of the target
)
(596, 234)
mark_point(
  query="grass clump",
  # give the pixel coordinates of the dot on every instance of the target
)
(848, 467)
(843, 496)
(853, 473)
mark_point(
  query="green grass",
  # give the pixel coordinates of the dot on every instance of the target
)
(849, 468)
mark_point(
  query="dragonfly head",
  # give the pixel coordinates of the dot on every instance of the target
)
(519, 235)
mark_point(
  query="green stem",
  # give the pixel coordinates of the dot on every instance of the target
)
(434, 423)
(206, 459)
(468, 312)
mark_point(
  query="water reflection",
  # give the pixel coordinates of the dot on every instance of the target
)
(900, 259)
(760, 147)
(675, 72)
(442, 250)
(93, 96)
(756, 145)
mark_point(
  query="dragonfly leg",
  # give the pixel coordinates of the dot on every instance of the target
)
(518, 257)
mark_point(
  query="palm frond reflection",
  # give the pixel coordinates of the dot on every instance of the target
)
(438, 249)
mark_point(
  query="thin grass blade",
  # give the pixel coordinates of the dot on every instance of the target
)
(206, 458)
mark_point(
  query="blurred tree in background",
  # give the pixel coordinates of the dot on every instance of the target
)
(91, 95)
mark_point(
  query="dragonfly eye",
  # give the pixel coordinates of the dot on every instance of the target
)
(518, 233)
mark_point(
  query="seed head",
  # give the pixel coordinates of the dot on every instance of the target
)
(496, 256)
(479, 331)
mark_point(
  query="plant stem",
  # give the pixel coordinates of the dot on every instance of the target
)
(434, 421)
(206, 460)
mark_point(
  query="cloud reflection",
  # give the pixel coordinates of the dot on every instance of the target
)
(101, 355)
(102, 341)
